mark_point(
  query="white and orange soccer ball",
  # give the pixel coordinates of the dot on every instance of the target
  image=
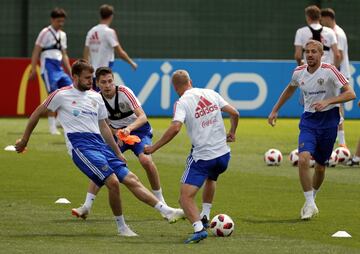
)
(333, 160)
(273, 157)
(222, 225)
(343, 154)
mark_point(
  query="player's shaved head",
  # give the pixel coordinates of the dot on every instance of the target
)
(180, 78)
(318, 45)
(181, 81)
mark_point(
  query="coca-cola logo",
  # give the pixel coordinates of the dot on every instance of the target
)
(209, 122)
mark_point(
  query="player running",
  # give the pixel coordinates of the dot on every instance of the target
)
(125, 114)
(319, 82)
(83, 115)
(50, 46)
(200, 110)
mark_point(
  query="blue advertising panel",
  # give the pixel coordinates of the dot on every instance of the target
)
(252, 87)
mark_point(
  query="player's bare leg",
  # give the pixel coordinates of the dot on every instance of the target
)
(52, 123)
(152, 174)
(187, 202)
(132, 182)
(309, 209)
(207, 199)
(112, 183)
(318, 178)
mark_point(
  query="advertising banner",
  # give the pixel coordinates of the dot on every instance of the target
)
(251, 86)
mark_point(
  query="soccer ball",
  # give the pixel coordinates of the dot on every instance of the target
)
(333, 160)
(294, 157)
(222, 225)
(343, 154)
(312, 162)
(273, 157)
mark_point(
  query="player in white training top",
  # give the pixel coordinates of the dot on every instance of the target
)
(328, 20)
(50, 46)
(126, 114)
(102, 41)
(83, 115)
(319, 83)
(200, 110)
(313, 30)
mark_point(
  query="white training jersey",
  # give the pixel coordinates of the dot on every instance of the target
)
(127, 103)
(328, 38)
(343, 46)
(324, 83)
(47, 38)
(101, 41)
(78, 112)
(200, 110)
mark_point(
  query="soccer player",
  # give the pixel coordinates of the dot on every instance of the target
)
(126, 114)
(83, 115)
(314, 30)
(319, 83)
(50, 46)
(328, 20)
(101, 41)
(200, 110)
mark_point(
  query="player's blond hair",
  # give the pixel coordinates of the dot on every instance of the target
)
(318, 44)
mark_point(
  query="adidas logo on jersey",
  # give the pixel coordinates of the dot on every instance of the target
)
(204, 107)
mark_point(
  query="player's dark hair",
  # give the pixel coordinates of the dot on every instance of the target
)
(58, 13)
(313, 12)
(106, 11)
(102, 71)
(328, 12)
(81, 65)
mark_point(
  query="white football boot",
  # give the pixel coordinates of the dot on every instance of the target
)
(80, 212)
(175, 215)
(308, 211)
(126, 231)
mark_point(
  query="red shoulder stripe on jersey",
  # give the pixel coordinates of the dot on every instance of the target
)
(338, 74)
(130, 97)
(52, 95)
(300, 67)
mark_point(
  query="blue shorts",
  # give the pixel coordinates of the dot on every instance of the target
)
(54, 75)
(197, 172)
(98, 165)
(318, 142)
(137, 148)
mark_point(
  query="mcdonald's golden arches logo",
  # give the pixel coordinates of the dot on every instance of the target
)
(21, 102)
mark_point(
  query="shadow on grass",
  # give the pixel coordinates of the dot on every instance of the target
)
(272, 221)
(90, 221)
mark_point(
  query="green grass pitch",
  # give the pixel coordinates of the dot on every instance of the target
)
(263, 201)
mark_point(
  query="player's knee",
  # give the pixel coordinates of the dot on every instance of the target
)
(112, 183)
(132, 180)
(146, 162)
(304, 159)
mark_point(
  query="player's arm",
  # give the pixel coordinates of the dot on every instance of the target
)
(234, 119)
(299, 55)
(337, 55)
(86, 53)
(34, 60)
(169, 134)
(286, 94)
(109, 139)
(66, 61)
(347, 94)
(32, 122)
(140, 121)
(123, 55)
